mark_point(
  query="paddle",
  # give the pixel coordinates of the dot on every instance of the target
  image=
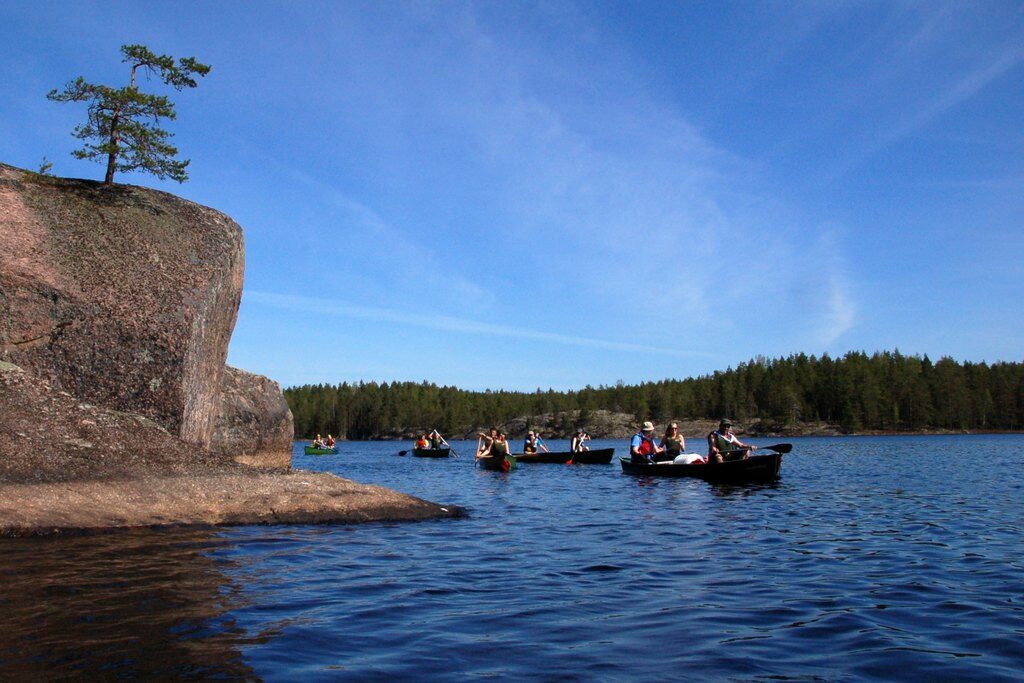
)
(449, 447)
(778, 448)
(402, 453)
(583, 439)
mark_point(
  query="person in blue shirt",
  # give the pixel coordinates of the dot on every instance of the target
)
(533, 443)
(642, 448)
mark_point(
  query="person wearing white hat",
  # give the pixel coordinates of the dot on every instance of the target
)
(642, 448)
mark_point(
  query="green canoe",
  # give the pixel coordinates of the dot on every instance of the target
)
(498, 463)
(310, 450)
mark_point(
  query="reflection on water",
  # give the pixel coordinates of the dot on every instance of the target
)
(138, 604)
(871, 558)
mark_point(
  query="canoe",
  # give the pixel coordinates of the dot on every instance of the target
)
(499, 464)
(756, 468)
(431, 452)
(310, 450)
(556, 458)
(598, 456)
(601, 456)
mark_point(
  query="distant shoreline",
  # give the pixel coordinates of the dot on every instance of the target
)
(753, 436)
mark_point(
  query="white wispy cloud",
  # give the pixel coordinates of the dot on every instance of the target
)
(963, 86)
(601, 199)
(314, 306)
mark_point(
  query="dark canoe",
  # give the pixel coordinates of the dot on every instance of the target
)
(598, 456)
(311, 450)
(756, 468)
(498, 463)
(602, 456)
(431, 452)
(554, 458)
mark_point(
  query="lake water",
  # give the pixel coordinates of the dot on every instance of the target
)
(872, 558)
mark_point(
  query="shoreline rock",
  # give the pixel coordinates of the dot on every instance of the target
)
(217, 499)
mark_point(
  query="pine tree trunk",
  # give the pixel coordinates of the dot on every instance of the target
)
(109, 178)
(112, 156)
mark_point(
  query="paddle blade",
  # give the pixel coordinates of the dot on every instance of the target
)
(402, 453)
(780, 447)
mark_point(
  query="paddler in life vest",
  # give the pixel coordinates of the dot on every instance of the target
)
(533, 443)
(423, 443)
(579, 440)
(642, 448)
(330, 441)
(724, 446)
(673, 442)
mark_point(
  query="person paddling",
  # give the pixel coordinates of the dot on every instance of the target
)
(724, 446)
(493, 445)
(423, 443)
(642, 448)
(533, 443)
(436, 440)
(579, 440)
(484, 441)
(330, 441)
(318, 442)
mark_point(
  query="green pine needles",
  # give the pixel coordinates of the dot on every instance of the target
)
(122, 125)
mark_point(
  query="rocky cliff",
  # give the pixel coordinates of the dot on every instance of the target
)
(116, 307)
(122, 296)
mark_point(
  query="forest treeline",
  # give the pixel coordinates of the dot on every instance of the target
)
(882, 391)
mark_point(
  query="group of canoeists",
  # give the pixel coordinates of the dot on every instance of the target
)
(494, 442)
(723, 446)
(431, 439)
(320, 442)
(644, 448)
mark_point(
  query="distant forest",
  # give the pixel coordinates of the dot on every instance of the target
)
(882, 391)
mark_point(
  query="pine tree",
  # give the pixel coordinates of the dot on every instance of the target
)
(122, 122)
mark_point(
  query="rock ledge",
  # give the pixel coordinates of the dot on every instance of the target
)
(210, 499)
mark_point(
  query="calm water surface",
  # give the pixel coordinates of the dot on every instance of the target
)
(873, 558)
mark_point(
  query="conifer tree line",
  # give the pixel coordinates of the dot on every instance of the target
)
(882, 391)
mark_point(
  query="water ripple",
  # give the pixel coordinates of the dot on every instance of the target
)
(872, 558)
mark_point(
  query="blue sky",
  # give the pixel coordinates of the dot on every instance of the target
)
(557, 194)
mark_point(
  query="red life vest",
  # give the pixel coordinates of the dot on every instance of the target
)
(646, 445)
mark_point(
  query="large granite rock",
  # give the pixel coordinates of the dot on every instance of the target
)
(254, 425)
(48, 435)
(116, 409)
(122, 296)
